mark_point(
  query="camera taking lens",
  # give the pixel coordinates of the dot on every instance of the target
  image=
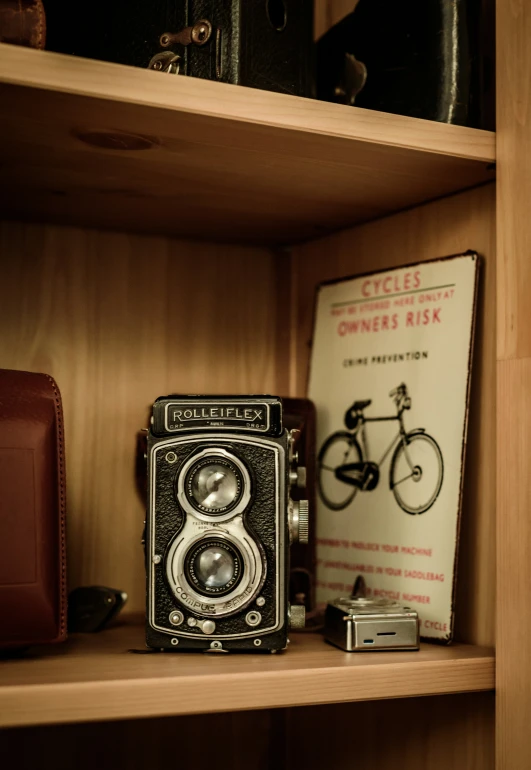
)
(214, 566)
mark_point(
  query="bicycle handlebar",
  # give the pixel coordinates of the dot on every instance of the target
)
(401, 398)
(399, 392)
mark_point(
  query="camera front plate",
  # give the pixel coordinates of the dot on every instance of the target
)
(258, 533)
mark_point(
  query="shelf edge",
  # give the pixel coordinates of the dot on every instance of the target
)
(137, 698)
(90, 78)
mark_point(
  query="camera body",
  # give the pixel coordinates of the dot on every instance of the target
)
(360, 624)
(219, 524)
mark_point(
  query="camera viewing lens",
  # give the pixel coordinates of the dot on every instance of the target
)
(214, 567)
(214, 485)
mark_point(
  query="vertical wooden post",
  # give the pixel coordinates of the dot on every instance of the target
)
(513, 31)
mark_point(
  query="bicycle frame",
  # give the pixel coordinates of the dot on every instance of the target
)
(360, 431)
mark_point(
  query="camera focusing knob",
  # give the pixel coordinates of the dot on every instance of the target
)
(297, 616)
(298, 521)
(304, 522)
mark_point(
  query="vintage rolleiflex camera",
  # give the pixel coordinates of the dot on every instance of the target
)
(219, 524)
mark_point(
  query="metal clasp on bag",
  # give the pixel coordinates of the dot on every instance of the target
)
(167, 61)
(198, 34)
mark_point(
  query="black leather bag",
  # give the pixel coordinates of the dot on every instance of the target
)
(263, 44)
(430, 59)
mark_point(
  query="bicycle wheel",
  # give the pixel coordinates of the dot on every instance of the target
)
(338, 449)
(416, 473)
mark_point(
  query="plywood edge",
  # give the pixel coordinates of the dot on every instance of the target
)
(95, 79)
(135, 698)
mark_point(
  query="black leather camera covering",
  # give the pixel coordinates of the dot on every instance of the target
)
(253, 52)
(259, 518)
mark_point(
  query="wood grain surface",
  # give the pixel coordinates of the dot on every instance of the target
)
(119, 320)
(449, 226)
(513, 118)
(96, 677)
(238, 741)
(513, 631)
(513, 679)
(441, 732)
(218, 161)
(418, 734)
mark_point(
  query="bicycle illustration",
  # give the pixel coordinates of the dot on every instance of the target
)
(416, 469)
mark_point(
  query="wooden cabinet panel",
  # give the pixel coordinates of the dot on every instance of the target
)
(513, 670)
(118, 320)
(513, 118)
(239, 741)
(513, 153)
(418, 734)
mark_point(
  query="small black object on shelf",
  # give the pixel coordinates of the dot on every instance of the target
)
(92, 608)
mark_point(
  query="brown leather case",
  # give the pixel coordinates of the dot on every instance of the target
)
(22, 22)
(32, 511)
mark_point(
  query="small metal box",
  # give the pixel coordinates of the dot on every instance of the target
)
(361, 625)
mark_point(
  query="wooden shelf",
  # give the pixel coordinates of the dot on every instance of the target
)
(218, 161)
(95, 677)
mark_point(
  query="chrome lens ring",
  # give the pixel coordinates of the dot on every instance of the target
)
(242, 592)
(213, 484)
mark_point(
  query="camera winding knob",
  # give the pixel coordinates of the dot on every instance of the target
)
(297, 616)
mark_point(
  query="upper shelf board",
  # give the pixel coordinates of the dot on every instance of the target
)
(184, 156)
(96, 677)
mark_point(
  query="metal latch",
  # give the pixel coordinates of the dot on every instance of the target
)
(166, 61)
(199, 34)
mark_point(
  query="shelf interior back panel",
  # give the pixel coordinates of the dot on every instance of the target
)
(103, 145)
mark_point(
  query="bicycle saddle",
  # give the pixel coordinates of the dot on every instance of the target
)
(358, 406)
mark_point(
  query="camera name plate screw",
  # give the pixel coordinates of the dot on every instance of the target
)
(157, 559)
(260, 601)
